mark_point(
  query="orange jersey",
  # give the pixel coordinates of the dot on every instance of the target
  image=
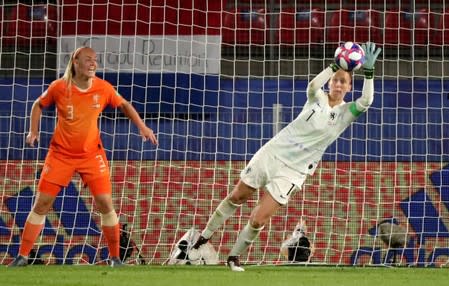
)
(76, 131)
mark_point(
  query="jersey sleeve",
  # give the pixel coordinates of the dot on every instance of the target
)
(354, 110)
(314, 88)
(115, 99)
(47, 98)
(363, 102)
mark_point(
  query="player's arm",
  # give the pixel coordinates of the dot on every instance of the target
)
(130, 112)
(365, 101)
(35, 117)
(315, 85)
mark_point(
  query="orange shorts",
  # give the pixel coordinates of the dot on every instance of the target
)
(94, 171)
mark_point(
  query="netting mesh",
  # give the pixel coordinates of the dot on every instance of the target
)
(216, 80)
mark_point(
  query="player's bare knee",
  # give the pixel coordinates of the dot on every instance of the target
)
(241, 193)
(43, 204)
(104, 203)
(237, 199)
(257, 223)
(42, 208)
(258, 217)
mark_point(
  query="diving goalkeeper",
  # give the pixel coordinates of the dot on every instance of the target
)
(282, 165)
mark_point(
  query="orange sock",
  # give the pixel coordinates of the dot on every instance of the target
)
(112, 235)
(29, 236)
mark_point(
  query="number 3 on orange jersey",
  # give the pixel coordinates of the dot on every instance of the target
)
(70, 112)
(101, 164)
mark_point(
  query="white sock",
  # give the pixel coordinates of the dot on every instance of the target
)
(244, 240)
(109, 219)
(224, 210)
(35, 218)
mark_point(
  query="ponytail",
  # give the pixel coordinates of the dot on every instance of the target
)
(69, 72)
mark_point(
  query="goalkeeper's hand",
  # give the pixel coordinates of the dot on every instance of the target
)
(371, 54)
(334, 67)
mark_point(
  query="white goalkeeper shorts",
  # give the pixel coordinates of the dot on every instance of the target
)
(266, 171)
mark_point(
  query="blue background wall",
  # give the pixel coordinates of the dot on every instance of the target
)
(208, 118)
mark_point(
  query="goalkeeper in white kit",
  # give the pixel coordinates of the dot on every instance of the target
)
(281, 166)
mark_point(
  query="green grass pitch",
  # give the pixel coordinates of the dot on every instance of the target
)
(220, 275)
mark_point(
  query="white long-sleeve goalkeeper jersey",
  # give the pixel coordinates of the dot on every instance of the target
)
(302, 143)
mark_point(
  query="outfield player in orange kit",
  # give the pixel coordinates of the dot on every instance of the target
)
(79, 97)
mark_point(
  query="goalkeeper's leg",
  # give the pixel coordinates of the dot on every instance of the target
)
(225, 209)
(259, 217)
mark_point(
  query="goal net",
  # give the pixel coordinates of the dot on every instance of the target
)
(216, 80)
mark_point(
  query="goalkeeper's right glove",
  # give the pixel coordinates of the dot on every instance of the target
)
(371, 54)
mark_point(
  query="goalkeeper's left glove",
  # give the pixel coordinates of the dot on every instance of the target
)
(371, 54)
(334, 67)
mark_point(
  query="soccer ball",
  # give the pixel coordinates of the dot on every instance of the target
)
(349, 56)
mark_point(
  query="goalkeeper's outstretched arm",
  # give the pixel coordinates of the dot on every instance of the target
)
(371, 54)
(316, 84)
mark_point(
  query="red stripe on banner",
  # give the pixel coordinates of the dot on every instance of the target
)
(158, 17)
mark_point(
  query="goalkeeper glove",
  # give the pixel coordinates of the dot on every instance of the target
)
(334, 67)
(371, 54)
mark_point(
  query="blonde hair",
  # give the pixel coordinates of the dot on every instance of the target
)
(69, 72)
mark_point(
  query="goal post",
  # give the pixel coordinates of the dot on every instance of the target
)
(216, 80)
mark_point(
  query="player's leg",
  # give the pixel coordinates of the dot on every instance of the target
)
(260, 215)
(278, 193)
(101, 190)
(56, 173)
(251, 178)
(95, 173)
(36, 220)
(225, 209)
